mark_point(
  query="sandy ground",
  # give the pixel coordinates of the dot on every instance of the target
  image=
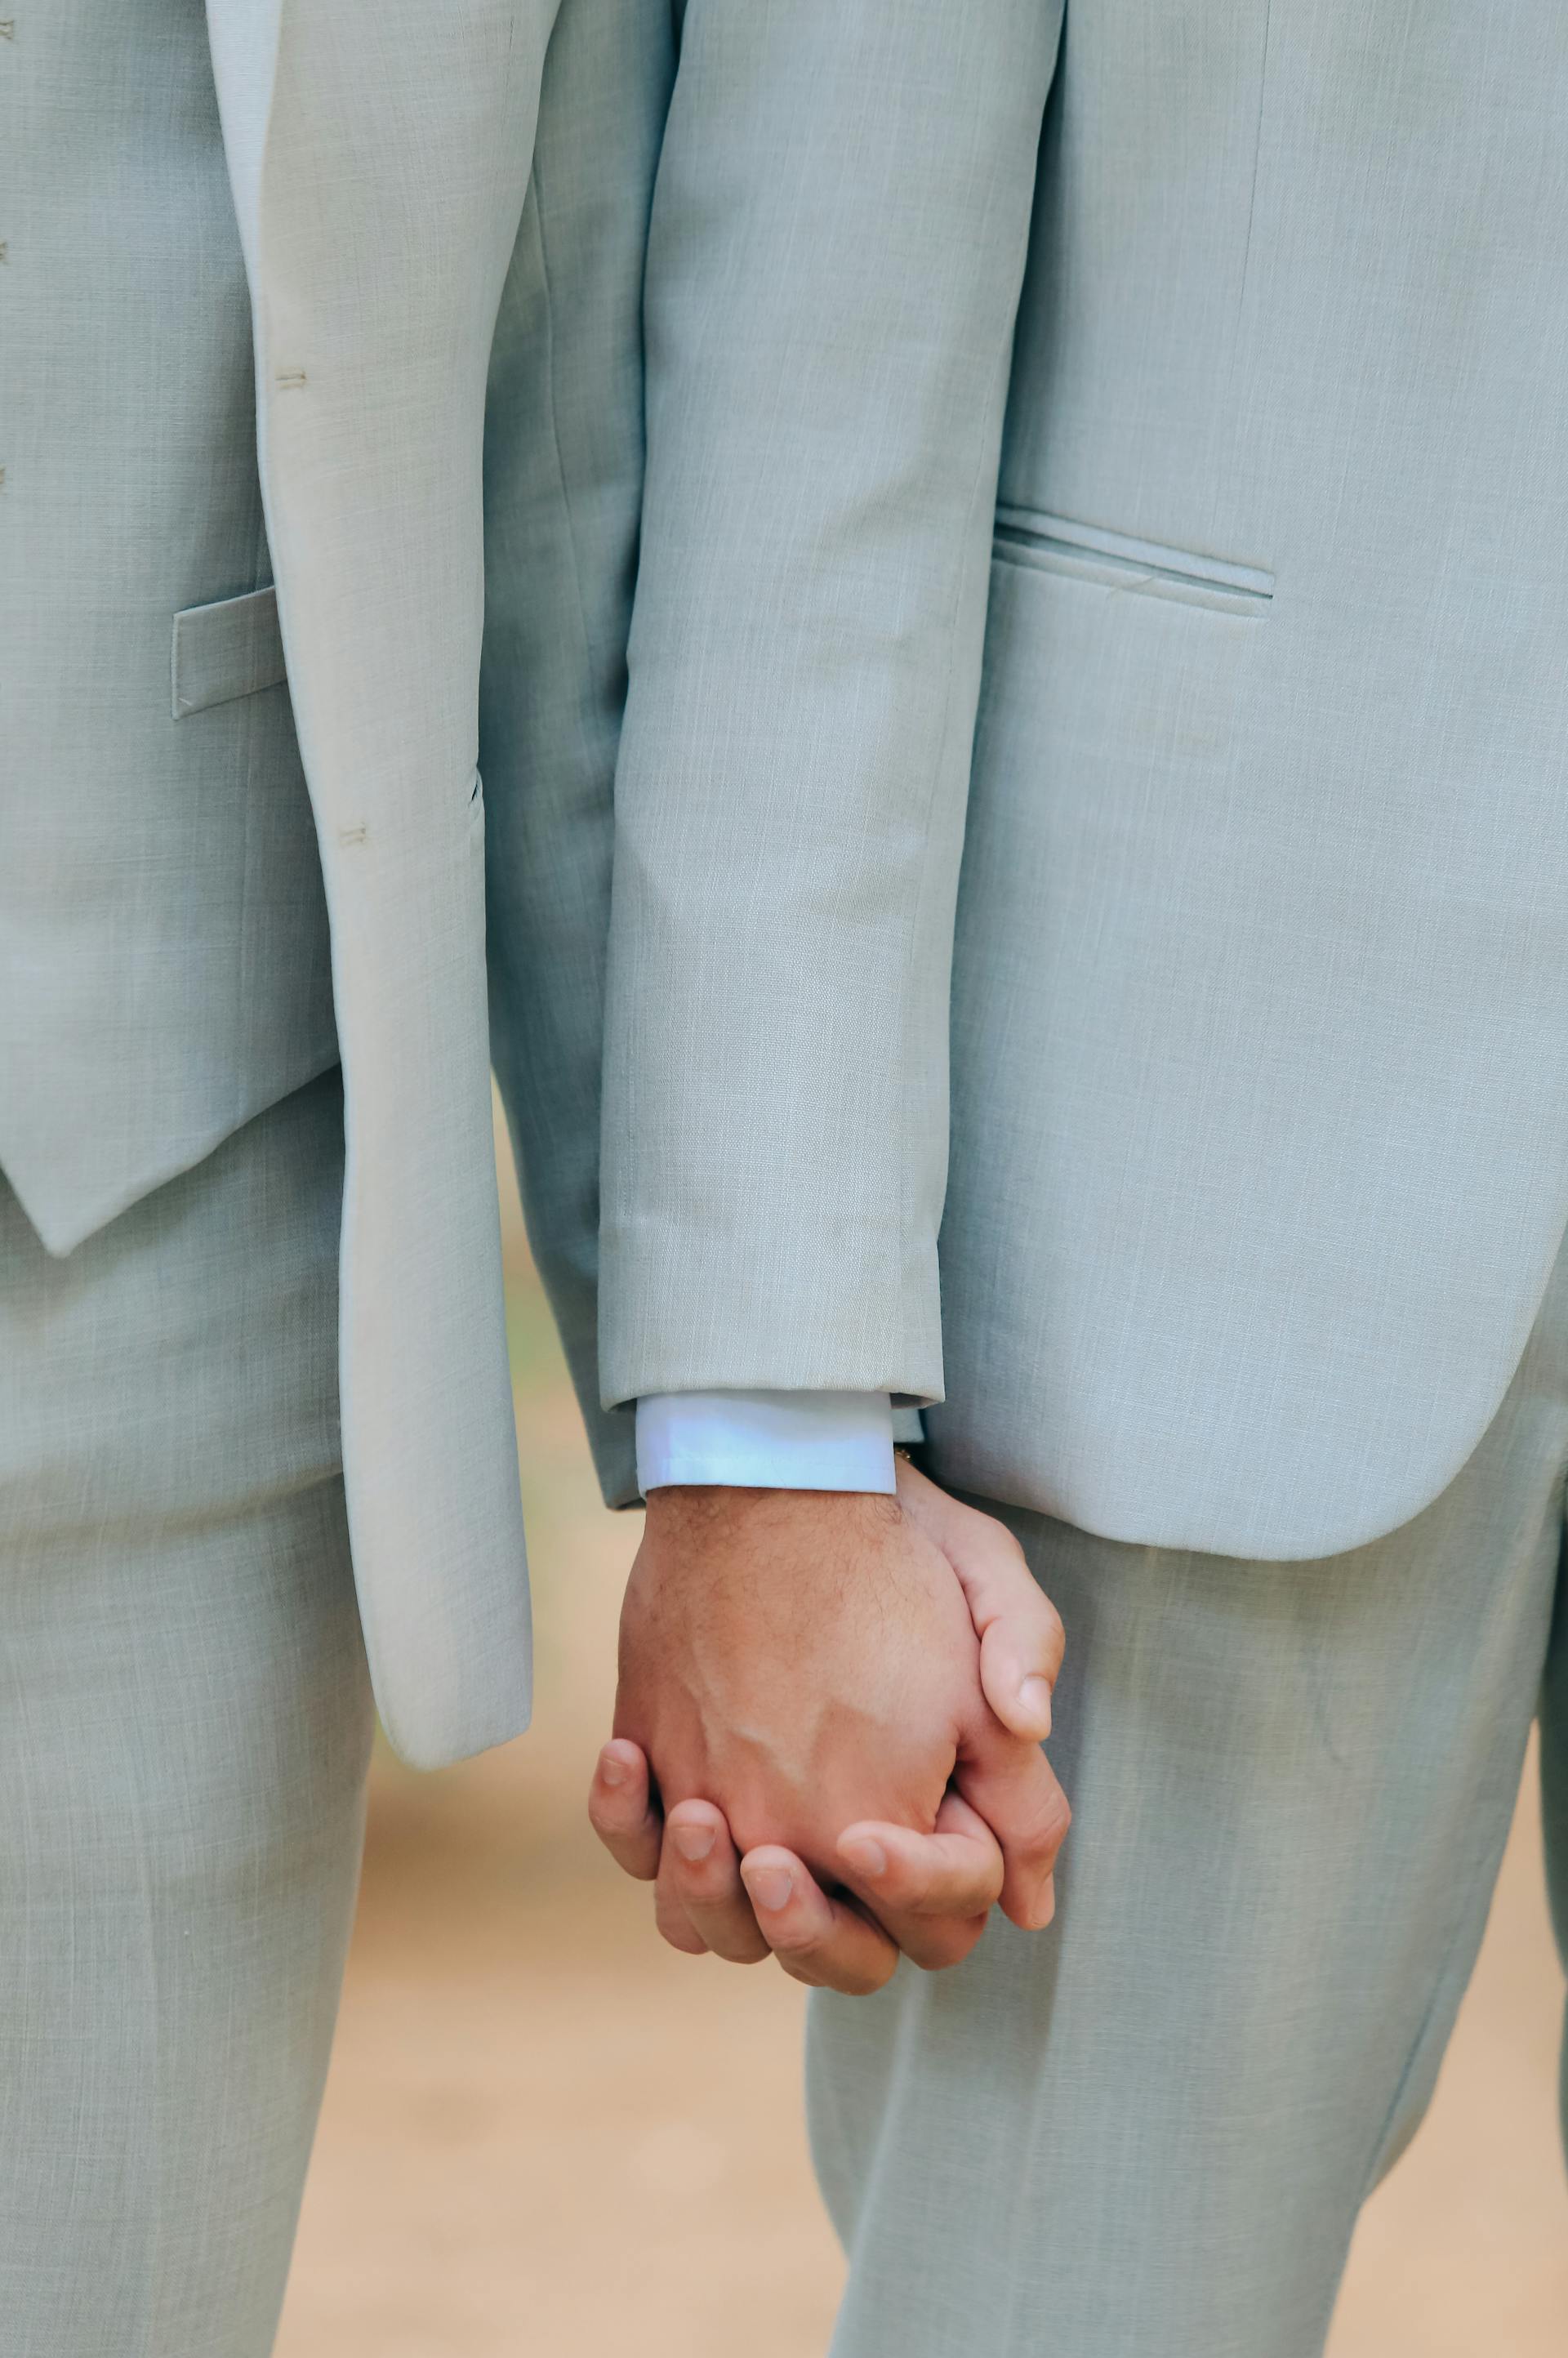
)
(545, 2133)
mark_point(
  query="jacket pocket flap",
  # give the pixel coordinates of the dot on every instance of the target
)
(1117, 560)
(232, 648)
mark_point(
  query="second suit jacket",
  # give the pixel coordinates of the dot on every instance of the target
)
(1099, 639)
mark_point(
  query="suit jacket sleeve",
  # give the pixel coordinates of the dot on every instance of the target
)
(838, 241)
(563, 483)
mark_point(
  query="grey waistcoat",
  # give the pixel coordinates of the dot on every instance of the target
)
(163, 969)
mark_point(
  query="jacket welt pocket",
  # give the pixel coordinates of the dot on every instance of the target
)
(1114, 560)
(229, 649)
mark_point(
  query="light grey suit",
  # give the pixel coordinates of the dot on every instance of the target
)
(420, 239)
(1198, 451)
(383, 231)
(1101, 623)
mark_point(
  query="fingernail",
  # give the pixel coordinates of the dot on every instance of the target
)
(770, 1886)
(869, 1857)
(692, 1842)
(611, 1769)
(1035, 1694)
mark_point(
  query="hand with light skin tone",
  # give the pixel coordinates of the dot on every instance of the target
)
(827, 1729)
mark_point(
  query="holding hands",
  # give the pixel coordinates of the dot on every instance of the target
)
(827, 1728)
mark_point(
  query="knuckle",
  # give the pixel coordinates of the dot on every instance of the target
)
(618, 1827)
(906, 1888)
(799, 1944)
(635, 1855)
(1055, 1823)
(622, 1846)
(1012, 1563)
(1041, 1830)
(856, 1978)
(822, 1963)
(933, 1946)
(623, 1852)
(963, 1899)
(727, 1926)
(682, 1936)
(937, 1956)
(799, 1971)
(741, 1948)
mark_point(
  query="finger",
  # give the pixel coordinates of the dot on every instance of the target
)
(704, 1871)
(621, 1810)
(932, 1893)
(1014, 1789)
(1019, 1630)
(956, 1871)
(670, 1918)
(816, 1940)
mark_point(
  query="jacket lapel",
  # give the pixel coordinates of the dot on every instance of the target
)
(243, 38)
(377, 206)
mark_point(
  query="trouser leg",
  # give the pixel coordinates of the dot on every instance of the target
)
(1146, 2133)
(184, 1729)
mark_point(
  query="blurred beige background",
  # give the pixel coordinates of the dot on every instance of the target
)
(546, 2133)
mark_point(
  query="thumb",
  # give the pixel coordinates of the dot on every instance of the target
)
(1020, 1634)
(1021, 1653)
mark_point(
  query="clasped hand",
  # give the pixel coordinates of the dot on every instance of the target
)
(827, 1729)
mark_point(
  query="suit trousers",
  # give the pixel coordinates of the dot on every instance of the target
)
(185, 1723)
(1146, 2132)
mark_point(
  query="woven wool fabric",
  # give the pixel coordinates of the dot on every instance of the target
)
(322, 350)
(1151, 503)
(1151, 2126)
(185, 1723)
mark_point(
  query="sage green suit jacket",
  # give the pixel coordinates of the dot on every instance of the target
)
(1090, 938)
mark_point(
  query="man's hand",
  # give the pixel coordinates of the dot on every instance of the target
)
(850, 1691)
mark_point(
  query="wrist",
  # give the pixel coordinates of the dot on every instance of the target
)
(708, 1533)
(704, 1502)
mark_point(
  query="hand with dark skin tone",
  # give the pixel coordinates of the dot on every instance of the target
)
(827, 1729)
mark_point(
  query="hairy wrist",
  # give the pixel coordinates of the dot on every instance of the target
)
(694, 1510)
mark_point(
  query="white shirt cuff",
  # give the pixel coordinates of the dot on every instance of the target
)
(766, 1441)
